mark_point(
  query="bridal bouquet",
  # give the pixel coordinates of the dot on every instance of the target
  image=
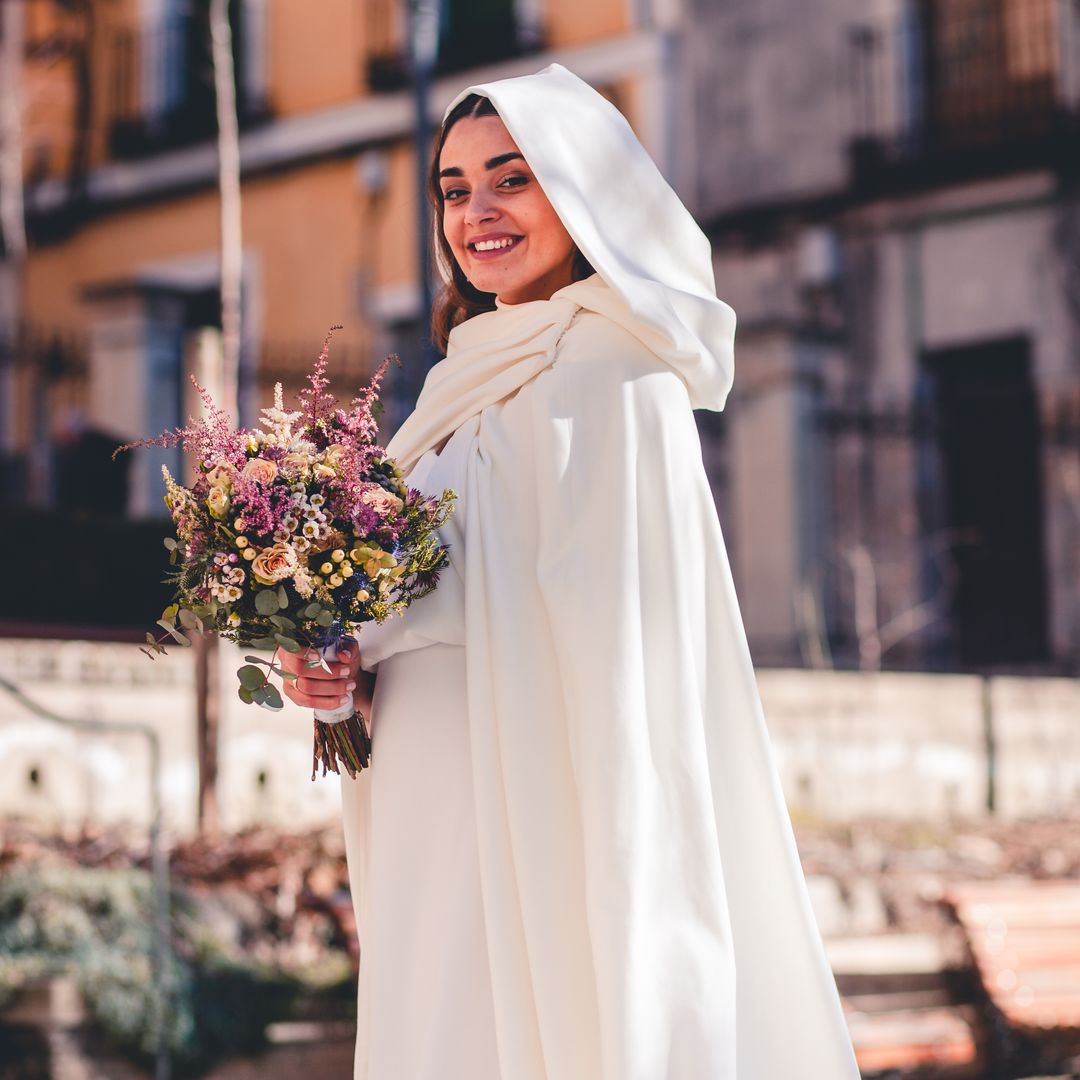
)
(292, 535)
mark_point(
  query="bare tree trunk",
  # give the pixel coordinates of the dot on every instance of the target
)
(207, 696)
(229, 186)
(207, 653)
(12, 213)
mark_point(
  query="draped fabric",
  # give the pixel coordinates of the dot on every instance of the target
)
(644, 908)
(644, 912)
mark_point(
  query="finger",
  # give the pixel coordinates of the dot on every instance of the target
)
(324, 687)
(317, 701)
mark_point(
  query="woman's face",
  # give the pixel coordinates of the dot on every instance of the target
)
(490, 194)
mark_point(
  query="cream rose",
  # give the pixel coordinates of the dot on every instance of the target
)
(260, 470)
(385, 502)
(274, 563)
(218, 502)
(295, 463)
(335, 455)
(221, 475)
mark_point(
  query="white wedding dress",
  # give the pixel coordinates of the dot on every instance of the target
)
(425, 1009)
(571, 857)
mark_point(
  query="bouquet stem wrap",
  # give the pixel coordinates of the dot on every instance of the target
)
(341, 735)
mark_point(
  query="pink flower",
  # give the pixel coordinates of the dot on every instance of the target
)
(261, 470)
(384, 502)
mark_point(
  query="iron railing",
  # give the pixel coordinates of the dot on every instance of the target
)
(946, 80)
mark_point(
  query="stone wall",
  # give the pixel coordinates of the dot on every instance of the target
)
(847, 744)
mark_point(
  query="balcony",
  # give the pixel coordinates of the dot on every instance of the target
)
(161, 82)
(958, 89)
(472, 33)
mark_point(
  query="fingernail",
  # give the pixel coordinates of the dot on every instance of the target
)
(346, 700)
(350, 686)
(344, 671)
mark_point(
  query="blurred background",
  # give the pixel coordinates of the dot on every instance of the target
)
(892, 192)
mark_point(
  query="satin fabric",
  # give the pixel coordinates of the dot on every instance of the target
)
(644, 912)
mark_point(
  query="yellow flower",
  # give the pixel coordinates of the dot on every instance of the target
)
(241, 542)
(336, 580)
(346, 570)
(362, 595)
(250, 553)
(326, 568)
(337, 555)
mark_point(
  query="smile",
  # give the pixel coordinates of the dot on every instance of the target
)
(488, 249)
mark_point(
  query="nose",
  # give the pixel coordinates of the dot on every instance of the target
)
(481, 208)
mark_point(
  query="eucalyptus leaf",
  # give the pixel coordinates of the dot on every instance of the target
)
(312, 610)
(188, 619)
(283, 598)
(245, 695)
(251, 676)
(282, 622)
(287, 643)
(258, 660)
(170, 613)
(324, 618)
(170, 543)
(272, 699)
(266, 602)
(176, 635)
(264, 643)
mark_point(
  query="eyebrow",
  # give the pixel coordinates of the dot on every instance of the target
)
(491, 163)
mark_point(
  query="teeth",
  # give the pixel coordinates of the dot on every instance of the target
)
(491, 245)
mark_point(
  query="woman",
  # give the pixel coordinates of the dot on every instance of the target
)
(571, 857)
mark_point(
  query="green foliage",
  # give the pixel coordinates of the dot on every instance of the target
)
(97, 924)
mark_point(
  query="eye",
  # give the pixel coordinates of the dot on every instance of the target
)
(516, 180)
(450, 193)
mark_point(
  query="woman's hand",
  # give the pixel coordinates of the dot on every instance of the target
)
(316, 688)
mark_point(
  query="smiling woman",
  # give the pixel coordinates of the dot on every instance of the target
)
(496, 231)
(571, 858)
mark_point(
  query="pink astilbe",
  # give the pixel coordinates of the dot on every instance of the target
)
(318, 405)
(359, 422)
(210, 440)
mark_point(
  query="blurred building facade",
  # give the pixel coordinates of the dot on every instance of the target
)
(890, 188)
(118, 297)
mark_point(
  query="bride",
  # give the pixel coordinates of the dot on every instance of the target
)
(571, 857)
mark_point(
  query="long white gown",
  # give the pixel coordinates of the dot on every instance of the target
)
(410, 829)
(571, 857)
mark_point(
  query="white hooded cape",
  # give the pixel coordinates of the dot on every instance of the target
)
(645, 908)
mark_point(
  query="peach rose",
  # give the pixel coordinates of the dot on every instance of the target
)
(260, 470)
(274, 563)
(385, 502)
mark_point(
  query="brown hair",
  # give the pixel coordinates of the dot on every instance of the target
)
(457, 300)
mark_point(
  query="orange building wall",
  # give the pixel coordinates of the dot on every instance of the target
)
(304, 225)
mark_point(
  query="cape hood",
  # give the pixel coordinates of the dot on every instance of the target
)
(624, 217)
